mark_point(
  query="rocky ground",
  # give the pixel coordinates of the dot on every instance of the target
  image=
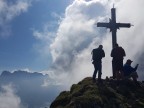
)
(108, 94)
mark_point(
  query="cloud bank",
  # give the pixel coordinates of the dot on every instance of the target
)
(77, 35)
(8, 98)
(8, 11)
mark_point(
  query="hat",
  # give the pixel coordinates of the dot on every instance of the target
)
(129, 61)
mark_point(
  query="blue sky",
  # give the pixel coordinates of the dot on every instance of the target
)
(59, 35)
(17, 49)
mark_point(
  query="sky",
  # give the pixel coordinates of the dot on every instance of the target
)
(19, 48)
(56, 37)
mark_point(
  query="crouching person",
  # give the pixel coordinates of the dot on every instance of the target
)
(129, 71)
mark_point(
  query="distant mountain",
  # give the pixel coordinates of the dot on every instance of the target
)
(109, 94)
(21, 75)
(29, 87)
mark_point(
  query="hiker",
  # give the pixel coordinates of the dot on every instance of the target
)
(97, 55)
(129, 71)
(118, 54)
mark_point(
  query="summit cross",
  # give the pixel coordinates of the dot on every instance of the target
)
(113, 26)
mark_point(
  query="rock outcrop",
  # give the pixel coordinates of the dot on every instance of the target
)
(108, 94)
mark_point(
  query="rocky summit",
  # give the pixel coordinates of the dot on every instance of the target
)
(106, 94)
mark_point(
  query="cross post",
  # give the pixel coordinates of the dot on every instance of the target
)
(113, 26)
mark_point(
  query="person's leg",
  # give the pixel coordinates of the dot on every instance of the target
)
(95, 71)
(113, 69)
(117, 75)
(99, 71)
(117, 69)
(121, 69)
(121, 74)
(134, 76)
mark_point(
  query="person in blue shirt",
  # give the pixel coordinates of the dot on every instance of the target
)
(129, 71)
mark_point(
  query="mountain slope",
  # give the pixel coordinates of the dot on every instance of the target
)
(109, 94)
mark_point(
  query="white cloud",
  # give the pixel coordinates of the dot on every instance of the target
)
(23, 69)
(8, 98)
(8, 11)
(45, 36)
(77, 35)
(75, 32)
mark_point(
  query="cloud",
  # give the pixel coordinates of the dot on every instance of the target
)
(8, 11)
(8, 98)
(46, 36)
(77, 35)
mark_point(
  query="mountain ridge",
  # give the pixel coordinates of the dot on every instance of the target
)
(20, 72)
(109, 94)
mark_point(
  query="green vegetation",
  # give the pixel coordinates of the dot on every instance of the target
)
(109, 94)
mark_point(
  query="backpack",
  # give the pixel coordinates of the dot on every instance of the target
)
(97, 54)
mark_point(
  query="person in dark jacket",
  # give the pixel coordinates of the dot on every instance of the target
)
(129, 71)
(118, 54)
(97, 55)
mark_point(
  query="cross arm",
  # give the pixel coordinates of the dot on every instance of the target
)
(126, 25)
(99, 24)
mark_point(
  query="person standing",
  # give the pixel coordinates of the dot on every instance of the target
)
(118, 54)
(97, 55)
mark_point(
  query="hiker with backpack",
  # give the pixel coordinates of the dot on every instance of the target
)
(97, 55)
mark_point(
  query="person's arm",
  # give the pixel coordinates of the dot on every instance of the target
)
(124, 52)
(131, 69)
(136, 67)
(92, 52)
(92, 55)
(112, 53)
(103, 54)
